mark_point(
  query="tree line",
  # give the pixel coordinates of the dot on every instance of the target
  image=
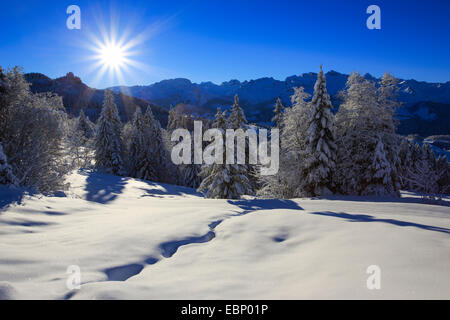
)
(355, 151)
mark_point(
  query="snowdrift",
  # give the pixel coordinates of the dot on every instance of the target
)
(134, 239)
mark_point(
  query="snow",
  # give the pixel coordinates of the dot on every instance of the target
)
(134, 239)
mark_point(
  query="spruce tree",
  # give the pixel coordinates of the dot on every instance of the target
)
(108, 144)
(320, 158)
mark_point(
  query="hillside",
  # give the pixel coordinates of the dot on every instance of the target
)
(77, 95)
(134, 239)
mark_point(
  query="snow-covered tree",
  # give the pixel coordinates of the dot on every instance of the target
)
(108, 142)
(237, 119)
(220, 120)
(226, 181)
(172, 123)
(85, 126)
(156, 147)
(139, 157)
(286, 184)
(278, 117)
(320, 153)
(7, 177)
(378, 173)
(32, 130)
(364, 117)
(191, 173)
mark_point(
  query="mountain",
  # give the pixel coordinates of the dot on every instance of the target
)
(76, 96)
(424, 104)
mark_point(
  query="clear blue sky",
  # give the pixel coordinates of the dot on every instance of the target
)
(219, 40)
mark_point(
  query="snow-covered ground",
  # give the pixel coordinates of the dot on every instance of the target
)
(139, 240)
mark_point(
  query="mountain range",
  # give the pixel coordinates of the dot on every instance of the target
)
(76, 96)
(425, 110)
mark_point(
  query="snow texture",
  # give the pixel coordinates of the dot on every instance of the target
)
(140, 240)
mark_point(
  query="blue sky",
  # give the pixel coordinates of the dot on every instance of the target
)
(219, 40)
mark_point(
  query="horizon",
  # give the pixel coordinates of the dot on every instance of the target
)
(221, 41)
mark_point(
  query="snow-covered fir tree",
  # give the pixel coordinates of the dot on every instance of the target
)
(7, 177)
(237, 119)
(220, 120)
(84, 125)
(172, 122)
(278, 117)
(226, 181)
(108, 142)
(158, 153)
(191, 173)
(320, 153)
(378, 173)
(139, 152)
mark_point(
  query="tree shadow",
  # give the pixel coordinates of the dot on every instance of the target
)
(102, 187)
(10, 196)
(369, 218)
(161, 190)
(407, 197)
(264, 204)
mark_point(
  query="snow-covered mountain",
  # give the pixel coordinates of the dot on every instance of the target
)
(258, 97)
(76, 96)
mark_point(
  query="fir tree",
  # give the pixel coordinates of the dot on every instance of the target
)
(320, 159)
(220, 120)
(85, 126)
(226, 181)
(237, 118)
(108, 144)
(379, 173)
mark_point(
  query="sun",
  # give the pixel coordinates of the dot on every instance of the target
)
(112, 56)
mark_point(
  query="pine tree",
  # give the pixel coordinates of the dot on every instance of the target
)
(7, 177)
(108, 144)
(320, 159)
(278, 118)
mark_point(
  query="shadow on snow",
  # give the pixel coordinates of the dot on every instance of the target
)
(102, 187)
(369, 218)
